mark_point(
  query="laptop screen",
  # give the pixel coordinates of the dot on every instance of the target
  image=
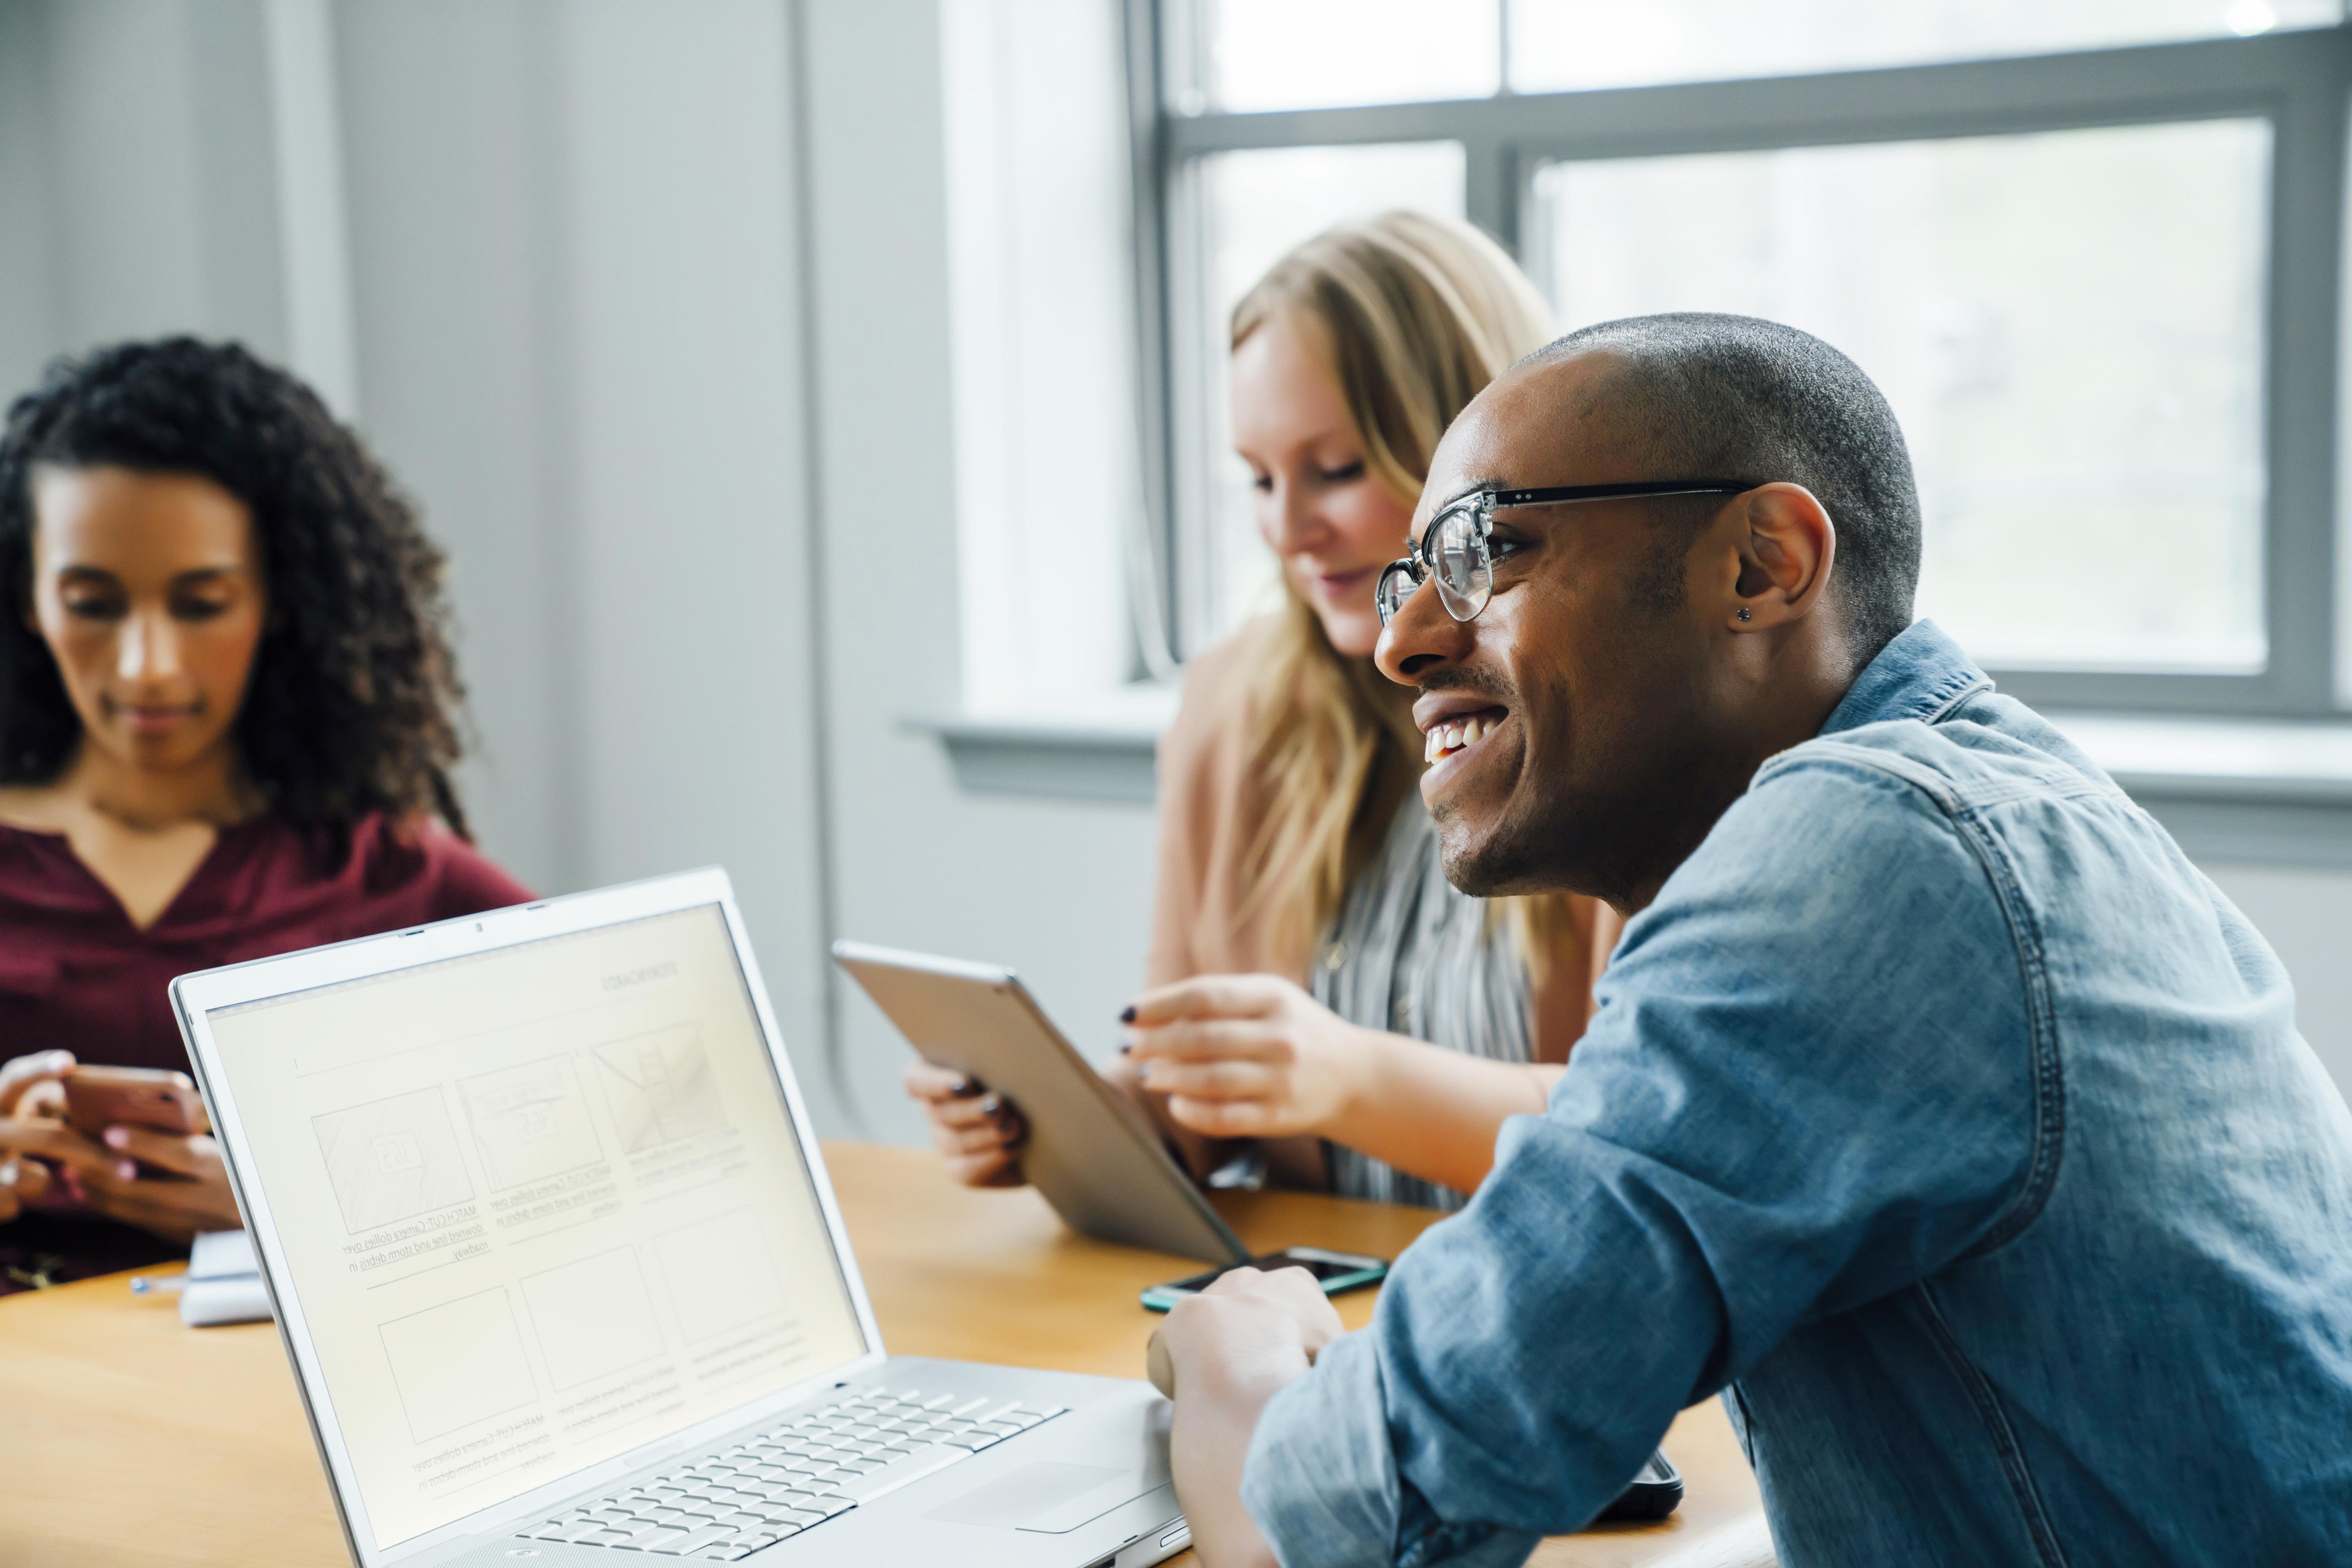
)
(540, 1206)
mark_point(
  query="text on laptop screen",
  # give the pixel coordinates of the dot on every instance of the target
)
(540, 1205)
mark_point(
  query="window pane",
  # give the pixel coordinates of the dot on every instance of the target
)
(1315, 54)
(1557, 45)
(2077, 359)
(1254, 206)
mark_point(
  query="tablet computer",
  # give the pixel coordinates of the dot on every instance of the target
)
(1091, 1152)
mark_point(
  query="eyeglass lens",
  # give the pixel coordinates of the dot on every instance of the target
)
(1454, 552)
(1396, 585)
(1459, 560)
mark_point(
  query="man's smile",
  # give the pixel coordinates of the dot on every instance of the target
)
(1453, 725)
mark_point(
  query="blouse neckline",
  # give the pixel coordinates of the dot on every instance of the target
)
(61, 846)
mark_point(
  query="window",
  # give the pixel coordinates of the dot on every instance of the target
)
(2077, 372)
(2091, 249)
(1040, 332)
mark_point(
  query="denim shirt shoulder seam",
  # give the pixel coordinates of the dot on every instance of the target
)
(2047, 1143)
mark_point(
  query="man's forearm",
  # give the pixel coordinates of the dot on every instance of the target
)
(1231, 1352)
(1208, 1447)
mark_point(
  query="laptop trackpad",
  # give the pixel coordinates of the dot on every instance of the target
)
(1047, 1495)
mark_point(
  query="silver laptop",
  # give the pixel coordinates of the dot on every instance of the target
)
(563, 1279)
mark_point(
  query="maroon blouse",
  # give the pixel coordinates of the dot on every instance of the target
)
(76, 975)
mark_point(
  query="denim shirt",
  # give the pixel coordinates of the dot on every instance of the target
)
(1942, 1116)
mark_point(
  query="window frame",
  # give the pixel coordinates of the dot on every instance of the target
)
(2300, 82)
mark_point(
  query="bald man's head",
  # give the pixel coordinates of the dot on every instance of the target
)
(1635, 659)
(1737, 398)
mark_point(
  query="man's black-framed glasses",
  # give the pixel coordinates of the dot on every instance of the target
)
(1454, 548)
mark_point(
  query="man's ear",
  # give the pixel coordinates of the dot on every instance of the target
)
(1785, 551)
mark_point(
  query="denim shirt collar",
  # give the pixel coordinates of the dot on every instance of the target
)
(1922, 675)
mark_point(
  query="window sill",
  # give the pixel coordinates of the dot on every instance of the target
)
(2266, 791)
(1101, 751)
(2227, 789)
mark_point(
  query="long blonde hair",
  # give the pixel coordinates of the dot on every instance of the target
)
(1412, 316)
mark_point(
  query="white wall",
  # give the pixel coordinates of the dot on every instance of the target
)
(1060, 891)
(695, 611)
(2307, 916)
(1049, 498)
(577, 310)
(578, 302)
(29, 326)
(453, 182)
(135, 141)
(699, 736)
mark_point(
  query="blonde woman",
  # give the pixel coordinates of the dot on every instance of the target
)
(1323, 1002)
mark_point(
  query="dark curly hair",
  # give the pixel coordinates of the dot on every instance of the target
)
(352, 704)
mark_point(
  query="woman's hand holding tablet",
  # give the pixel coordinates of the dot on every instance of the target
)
(977, 1132)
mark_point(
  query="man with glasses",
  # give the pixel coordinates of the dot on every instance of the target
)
(1938, 1112)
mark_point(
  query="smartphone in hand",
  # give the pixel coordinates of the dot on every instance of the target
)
(96, 1098)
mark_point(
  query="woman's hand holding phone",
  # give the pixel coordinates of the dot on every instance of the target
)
(169, 1181)
(32, 1132)
(172, 1183)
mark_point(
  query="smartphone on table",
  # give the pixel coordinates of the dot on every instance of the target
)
(1335, 1271)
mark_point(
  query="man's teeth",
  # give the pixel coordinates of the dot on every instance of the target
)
(1444, 739)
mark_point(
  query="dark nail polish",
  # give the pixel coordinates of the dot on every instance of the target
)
(1125, 1047)
(1127, 1014)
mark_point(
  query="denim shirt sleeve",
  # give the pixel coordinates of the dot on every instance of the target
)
(1810, 1084)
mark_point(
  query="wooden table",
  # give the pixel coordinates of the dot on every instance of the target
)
(126, 1437)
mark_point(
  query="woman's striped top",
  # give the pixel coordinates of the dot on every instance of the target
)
(1409, 954)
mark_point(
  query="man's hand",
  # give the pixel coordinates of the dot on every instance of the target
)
(1232, 1348)
(1277, 1320)
(1247, 1056)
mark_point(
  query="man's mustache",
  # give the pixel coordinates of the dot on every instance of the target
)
(1476, 682)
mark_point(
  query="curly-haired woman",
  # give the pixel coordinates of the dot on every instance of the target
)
(227, 716)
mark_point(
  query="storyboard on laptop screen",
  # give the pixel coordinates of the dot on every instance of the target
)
(540, 1205)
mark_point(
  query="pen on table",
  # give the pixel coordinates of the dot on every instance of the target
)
(158, 1285)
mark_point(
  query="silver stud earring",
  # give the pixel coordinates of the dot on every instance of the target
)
(1743, 613)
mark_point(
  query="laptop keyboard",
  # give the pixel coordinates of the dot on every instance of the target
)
(811, 1468)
